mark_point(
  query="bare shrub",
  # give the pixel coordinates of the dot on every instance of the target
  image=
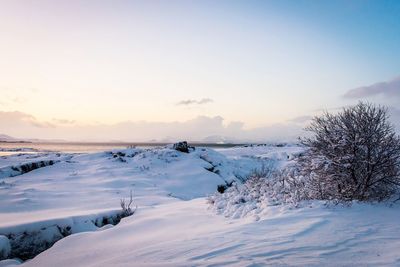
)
(126, 206)
(352, 155)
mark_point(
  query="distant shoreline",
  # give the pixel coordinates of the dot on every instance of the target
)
(15, 142)
(127, 144)
(90, 147)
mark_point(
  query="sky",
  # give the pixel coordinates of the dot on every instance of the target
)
(160, 70)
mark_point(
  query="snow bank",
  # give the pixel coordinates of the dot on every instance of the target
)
(27, 240)
(184, 233)
(11, 171)
(19, 149)
(166, 231)
(5, 247)
(43, 206)
(10, 262)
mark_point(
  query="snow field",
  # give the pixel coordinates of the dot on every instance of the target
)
(175, 225)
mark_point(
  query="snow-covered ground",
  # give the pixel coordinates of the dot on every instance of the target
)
(174, 225)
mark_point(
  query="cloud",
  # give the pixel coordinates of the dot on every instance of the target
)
(11, 96)
(7, 117)
(63, 121)
(301, 119)
(22, 125)
(189, 102)
(395, 117)
(388, 89)
(18, 120)
(19, 100)
(216, 128)
(42, 124)
(205, 101)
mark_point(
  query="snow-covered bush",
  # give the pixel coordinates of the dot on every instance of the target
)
(352, 155)
(263, 188)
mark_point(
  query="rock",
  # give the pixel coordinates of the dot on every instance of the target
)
(183, 147)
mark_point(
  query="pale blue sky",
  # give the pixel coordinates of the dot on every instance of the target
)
(257, 62)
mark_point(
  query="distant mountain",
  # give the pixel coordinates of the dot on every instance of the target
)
(7, 138)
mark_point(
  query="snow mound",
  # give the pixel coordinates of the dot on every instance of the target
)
(42, 202)
(184, 233)
(5, 247)
(256, 198)
(167, 231)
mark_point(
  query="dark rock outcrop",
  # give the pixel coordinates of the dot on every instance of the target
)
(183, 147)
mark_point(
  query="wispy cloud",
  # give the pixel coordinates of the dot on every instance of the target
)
(390, 89)
(301, 119)
(11, 96)
(189, 102)
(19, 100)
(42, 124)
(63, 121)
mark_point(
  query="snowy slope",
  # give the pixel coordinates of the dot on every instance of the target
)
(88, 183)
(47, 196)
(187, 234)
(174, 225)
